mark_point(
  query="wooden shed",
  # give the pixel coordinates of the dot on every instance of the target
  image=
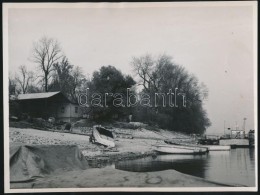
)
(49, 104)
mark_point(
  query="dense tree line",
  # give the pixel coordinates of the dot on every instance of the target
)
(155, 76)
(158, 76)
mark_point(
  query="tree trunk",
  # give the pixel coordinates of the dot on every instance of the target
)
(46, 82)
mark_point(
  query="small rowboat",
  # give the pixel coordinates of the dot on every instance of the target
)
(217, 147)
(210, 147)
(102, 136)
(180, 149)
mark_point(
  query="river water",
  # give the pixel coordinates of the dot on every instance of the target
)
(236, 166)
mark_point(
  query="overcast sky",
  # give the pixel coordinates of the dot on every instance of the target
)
(215, 43)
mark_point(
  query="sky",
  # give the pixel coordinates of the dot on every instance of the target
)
(215, 43)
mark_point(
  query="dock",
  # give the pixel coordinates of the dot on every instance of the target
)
(235, 143)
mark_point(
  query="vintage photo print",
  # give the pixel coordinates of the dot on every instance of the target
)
(130, 96)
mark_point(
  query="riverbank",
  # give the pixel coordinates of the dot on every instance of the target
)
(110, 177)
(101, 172)
(140, 146)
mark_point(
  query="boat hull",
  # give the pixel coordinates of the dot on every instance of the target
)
(178, 149)
(102, 139)
(217, 147)
(201, 147)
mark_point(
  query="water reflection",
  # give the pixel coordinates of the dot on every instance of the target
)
(185, 163)
(235, 166)
(252, 154)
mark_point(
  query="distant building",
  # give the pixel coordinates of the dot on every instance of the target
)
(49, 104)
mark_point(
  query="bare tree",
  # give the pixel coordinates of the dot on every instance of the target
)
(46, 52)
(152, 71)
(144, 67)
(24, 78)
(12, 85)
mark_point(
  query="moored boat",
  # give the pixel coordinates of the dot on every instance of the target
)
(217, 147)
(204, 147)
(180, 149)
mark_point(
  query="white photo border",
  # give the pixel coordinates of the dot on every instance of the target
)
(7, 6)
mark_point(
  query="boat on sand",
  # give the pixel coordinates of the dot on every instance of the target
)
(102, 136)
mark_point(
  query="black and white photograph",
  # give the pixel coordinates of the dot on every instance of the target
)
(152, 96)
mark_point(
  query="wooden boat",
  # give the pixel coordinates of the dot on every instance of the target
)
(180, 149)
(187, 144)
(102, 136)
(209, 147)
(217, 147)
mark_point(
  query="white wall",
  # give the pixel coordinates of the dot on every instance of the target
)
(67, 110)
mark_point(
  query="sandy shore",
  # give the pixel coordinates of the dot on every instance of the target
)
(141, 145)
(138, 147)
(110, 177)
